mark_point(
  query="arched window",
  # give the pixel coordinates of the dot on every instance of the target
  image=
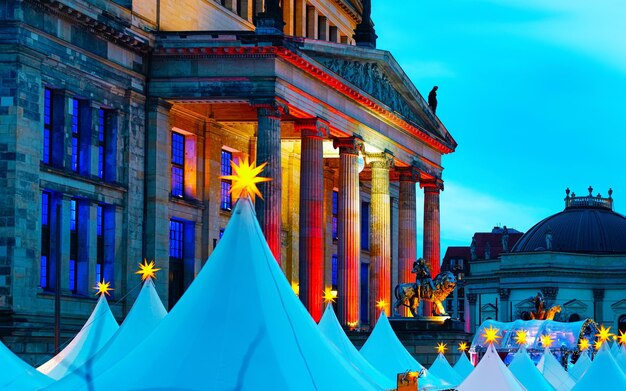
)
(621, 323)
(574, 318)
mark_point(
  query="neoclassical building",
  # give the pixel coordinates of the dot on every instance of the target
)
(117, 119)
(576, 258)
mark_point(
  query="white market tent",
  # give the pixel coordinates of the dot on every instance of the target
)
(146, 313)
(386, 353)
(443, 370)
(615, 349)
(463, 366)
(331, 328)
(491, 375)
(525, 371)
(577, 370)
(554, 372)
(603, 374)
(96, 332)
(238, 326)
(15, 374)
(621, 359)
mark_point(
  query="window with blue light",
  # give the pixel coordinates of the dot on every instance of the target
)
(101, 142)
(334, 260)
(176, 240)
(226, 200)
(73, 215)
(335, 213)
(176, 284)
(365, 293)
(73, 276)
(75, 134)
(73, 269)
(100, 242)
(365, 225)
(178, 164)
(47, 126)
(44, 267)
(222, 232)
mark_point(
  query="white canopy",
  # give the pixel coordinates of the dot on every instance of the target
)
(96, 332)
(443, 370)
(491, 375)
(603, 374)
(621, 359)
(554, 372)
(583, 363)
(525, 371)
(615, 349)
(463, 366)
(142, 319)
(15, 374)
(386, 353)
(238, 326)
(331, 328)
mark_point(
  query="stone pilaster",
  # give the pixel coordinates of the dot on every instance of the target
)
(598, 301)
(472, 298)
(311, 270)
(268, 209)
(504, 293)
(349, 226)
(380, 243)
(431, 229)
(407, 235)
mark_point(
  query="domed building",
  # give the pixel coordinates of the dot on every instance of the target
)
(576, 258)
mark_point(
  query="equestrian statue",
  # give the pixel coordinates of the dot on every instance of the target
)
(425, 288)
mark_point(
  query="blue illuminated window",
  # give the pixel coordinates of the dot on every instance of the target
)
(365, 293)
(99, 242)
(75, 134)
(365, 226)
(101, 142)
(73, 275)
(73, 270)
(73, 215)
(334, 271)
(178, 164)
(176, 240)
(221, 232)
(47, 125)
(44, 267)
(226, 201)
(335, 213)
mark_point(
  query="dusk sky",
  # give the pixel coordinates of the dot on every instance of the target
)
(533, 91)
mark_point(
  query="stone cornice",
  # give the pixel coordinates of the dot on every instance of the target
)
(350, 10)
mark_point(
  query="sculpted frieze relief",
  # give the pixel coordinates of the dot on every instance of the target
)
(370, 78)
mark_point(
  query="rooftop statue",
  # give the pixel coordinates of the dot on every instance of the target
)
(425, 288)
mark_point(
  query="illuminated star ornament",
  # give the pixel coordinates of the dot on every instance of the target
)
(546, 340)
(245, 178)
(380, 304)
(521, 337)
(103, 288)
(147, 270)
(583, 344)
(491, 334)
(462, 346)
(622, 338)
(598, 344)
(329, 295)
(604, 333)
(441, 347)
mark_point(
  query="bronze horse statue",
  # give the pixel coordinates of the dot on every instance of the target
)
(408, 293)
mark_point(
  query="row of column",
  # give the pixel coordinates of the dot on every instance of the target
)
(311, 241)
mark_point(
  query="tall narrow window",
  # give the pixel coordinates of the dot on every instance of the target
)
(365, 225)
(100, 243)
(101, 142)
(335, 214)
(334, 271)
(176, 272)
(75, 134)
(44, 270)
(178, 164)
(47, 126)
(73, 275)
(365, 292)
(226, 202)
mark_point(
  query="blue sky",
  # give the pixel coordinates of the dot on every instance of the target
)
(534, 92)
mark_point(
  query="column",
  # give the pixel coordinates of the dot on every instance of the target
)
(407, 235)
(504, 315)
(300, 19)
(380, 243)
(323, 28)
(471, 299)
(598, 298)
(268, 209)
(329, 186)
(311, 270)
(311, 22)
(349, 225)
(431, 229)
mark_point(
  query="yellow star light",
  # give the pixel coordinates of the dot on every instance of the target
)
(103, 288)
(441, 347)
(583, 344)
(546, 340)
(521, 336)
(491, 334)
(380, 304)
(147, 270)
(598, 344)
(295, 287)
(604, 333)
(462, 346)
(622, 337)
(245, 178)
(329, 295)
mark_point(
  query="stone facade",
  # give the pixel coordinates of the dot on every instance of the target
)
(170, 107)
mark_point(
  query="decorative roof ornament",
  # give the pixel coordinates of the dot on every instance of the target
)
(147, 270)
(583, 344)
(245, 178)
(589, 200)
(441, 347)
(103, 288)
(462, 347)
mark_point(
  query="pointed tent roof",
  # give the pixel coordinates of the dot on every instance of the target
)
(491, 375)
(386, 353)
(238, 326)
(17, 374)
(146, 313)
(525, 371)
(621, 359)
(554, 373)
(96, 332)
(443, 370)
(463, 366)
(577, 370)
(331, 328)
(615, 349)
(603, 374)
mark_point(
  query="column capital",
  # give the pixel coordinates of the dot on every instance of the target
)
(435, 184)
(313, 127)
(274, 108)
(504, 293)
(380, 160)
(349, 145)
(472, 298)
(550, 292)
(598, 293)
(159, 104)
(407, 174)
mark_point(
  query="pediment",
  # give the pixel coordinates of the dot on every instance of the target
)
(377, 74)
(488, 308)
(619, 305)
(575, 305)
(525, 305)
